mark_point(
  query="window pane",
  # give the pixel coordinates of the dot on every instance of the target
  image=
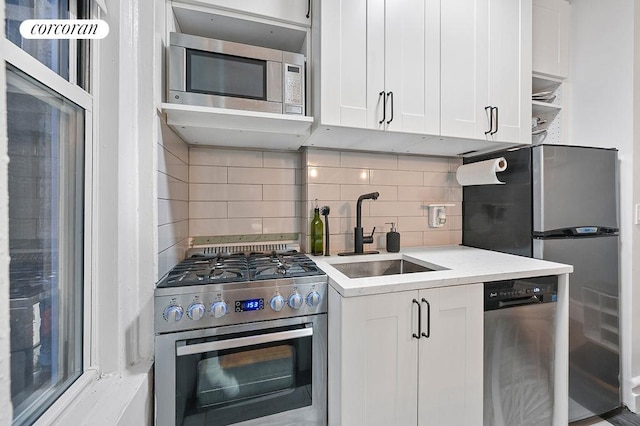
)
(46, 185)
(52, 53)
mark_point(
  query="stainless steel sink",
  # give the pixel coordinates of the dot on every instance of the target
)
(379, 268)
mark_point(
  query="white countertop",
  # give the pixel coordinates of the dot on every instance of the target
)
(462, 265)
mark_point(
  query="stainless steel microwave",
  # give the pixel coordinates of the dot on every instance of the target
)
(223, 74)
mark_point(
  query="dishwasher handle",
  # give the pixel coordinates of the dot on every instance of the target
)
(533, 300)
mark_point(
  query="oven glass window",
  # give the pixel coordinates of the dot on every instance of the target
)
(226, 75)
(234, 385)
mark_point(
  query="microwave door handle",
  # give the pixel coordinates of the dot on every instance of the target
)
(183, 349)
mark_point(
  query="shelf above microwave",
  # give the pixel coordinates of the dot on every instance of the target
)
(199, 125)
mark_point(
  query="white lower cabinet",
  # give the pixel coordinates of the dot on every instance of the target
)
(380, 373)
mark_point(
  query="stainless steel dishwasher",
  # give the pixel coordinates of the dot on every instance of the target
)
(519, 322)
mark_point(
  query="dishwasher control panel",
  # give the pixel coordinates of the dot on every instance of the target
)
(520, 292)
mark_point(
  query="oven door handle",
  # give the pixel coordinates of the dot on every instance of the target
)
(198, 348)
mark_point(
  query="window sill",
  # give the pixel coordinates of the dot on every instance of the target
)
(119, 399)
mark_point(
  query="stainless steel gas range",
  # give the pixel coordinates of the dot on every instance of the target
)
(241, 338)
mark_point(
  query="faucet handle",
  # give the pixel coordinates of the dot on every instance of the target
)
(369, 238)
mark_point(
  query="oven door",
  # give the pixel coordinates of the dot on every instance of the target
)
(267, 373)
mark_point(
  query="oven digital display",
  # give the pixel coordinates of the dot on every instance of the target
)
(249, 305)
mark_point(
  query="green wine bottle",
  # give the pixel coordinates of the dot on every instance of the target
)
(316, 232)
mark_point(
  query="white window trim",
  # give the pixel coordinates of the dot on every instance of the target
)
(30, 66)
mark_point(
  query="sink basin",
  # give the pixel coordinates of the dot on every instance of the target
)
(379, 268)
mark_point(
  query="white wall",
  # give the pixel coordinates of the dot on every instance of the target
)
(601, 114)
(5, 393)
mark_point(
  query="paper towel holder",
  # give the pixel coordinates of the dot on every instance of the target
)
(438, 214)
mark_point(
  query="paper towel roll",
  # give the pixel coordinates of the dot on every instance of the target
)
(482, 172)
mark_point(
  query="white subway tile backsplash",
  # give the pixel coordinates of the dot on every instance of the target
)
(454, 163)
(439, 179)
(423, 164)
(455, 194)
(171, 165)
(265, 208)
(282, 160)
(170, 211)
(207, 174)
(395, 177)
(436, 238)
(323, 192)
(352, 192)
(207, 209)
(261, 175)
(170, 188)
(365, 160)
(276, 225)
(170, 234)
(322, 158)
(423, 193)
(281, 192)
(455, 222)
(410, 239)
(224, 157)
(170, 141)
(412, 223)
(337, 175)
(170, 257)
(211, 227)
(222, 192)
(399, 208)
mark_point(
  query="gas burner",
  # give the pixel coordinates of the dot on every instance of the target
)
(276, 265)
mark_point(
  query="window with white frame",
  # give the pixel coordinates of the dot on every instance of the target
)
(48, 129)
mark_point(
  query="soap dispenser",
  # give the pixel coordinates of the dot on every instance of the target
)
(393, 239)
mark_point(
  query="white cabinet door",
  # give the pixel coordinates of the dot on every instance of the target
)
(551, 21)
(411, 67)
(464, 68)
(381, 374)
(344, 62)
(451, 358)
(486, 70)
(378, 360)
(379, 62)
(510, 69)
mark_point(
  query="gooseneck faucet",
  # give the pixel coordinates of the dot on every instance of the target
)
(359, 238)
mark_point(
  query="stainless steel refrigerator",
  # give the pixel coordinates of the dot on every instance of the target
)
(560, 203)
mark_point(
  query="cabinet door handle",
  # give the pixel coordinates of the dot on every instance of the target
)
(384, 106)
(490, 116)
(308, 9)
(417, 336)
(390, 94)
(494, 110)
(428, 319)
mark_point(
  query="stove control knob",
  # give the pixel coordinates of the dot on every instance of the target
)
(219, 309)
(295, 300)
(313, 298)
(195, 311)
(173, 313)
(277, 303)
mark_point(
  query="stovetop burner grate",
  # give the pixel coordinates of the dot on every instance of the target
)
(240, 267)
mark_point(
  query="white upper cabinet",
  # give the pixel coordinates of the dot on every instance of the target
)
(551, 20)
(454, 76)
(378, 65)
(486, 69)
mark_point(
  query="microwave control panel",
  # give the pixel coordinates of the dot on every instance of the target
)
(293, 99)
